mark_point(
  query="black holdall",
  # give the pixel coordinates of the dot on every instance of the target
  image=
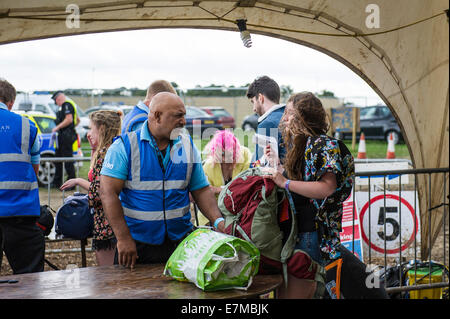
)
(349, 278)
(46, 220)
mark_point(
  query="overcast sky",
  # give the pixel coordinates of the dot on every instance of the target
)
(186, 56)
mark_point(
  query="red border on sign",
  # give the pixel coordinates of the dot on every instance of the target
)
(363, 234)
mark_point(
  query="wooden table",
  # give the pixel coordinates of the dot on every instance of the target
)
(108, 282)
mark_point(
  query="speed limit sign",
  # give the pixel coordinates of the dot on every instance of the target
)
(389, 223)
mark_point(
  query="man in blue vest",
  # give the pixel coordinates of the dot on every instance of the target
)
(264, 94)
(145, 183)
(20, 238)
(138, 115)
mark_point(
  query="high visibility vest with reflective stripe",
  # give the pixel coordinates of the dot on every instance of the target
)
(71, 102)
(19, 193)
(135, 116)
(156, 203)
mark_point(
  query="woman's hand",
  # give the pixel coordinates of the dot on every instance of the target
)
(272, 157)
(71, 183)
(276, 176)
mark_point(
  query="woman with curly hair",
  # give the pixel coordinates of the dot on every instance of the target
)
(104, 126)
(317, 171)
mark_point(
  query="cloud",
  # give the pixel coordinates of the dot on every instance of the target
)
(186, 56)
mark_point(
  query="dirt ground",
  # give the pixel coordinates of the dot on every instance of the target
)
(62, 260)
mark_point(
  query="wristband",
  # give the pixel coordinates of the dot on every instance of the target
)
(218, 220)
(286, 185)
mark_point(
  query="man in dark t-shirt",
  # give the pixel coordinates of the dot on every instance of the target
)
(66, 136)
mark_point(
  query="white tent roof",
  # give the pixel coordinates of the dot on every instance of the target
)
(405, 60)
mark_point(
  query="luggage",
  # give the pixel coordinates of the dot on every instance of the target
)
(75, 219)
(46, 220)
(349, 278)
(213, 261)
(254, 207)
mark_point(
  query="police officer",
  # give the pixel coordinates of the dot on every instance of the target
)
(65, 120)
(20, 238)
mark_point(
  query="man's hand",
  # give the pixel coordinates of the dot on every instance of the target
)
(67, 121)
(127, 252)
(207, 203)
(221, 227)
(109, 195)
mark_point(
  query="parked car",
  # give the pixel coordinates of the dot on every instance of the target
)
(101, 107)
(377, 123)
(45, 123)
(83, 127)
(250, 122)
(197, 117)
(35, 103)
(224, 116)
(126, 109)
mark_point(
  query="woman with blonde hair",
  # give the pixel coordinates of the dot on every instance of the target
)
(317, 171)
(104, 126)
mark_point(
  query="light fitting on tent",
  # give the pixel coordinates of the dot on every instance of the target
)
(245, 35)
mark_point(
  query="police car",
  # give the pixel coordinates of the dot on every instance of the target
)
(45, 123)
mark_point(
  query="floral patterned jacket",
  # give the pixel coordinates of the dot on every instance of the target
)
(325, 154)
(102, 229)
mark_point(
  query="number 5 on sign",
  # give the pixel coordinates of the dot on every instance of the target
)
(389, 224)
(383, 220)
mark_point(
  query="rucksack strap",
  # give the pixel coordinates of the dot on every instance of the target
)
(242, 232)
(338, 264)
(288, 247)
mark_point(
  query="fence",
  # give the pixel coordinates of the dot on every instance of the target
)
(388, 186)
(395, 258)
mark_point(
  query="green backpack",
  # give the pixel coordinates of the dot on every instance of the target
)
(250, 205)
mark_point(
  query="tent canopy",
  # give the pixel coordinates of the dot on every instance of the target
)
(405, 58)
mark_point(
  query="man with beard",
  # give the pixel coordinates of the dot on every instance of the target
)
(264, 95)
(153, 170)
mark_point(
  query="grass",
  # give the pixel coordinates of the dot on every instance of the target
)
(378, 149)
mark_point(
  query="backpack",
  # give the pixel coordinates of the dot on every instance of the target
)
(46, 220)
(252, 206)
(75, 219)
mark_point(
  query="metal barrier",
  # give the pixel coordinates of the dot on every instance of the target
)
(48, 162)
(396, 227)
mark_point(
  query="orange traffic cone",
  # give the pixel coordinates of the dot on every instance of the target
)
(391, 147)
(362, 147)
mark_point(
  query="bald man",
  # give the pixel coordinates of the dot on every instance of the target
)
(145, 183)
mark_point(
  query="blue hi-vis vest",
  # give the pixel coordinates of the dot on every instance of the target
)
(155, 201)
(136, 115)
(19, 192)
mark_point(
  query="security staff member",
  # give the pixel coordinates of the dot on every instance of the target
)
(20, 238)
(138, 115)
(65, 120)
(153, 171)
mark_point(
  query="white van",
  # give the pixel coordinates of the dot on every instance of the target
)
(36, 103)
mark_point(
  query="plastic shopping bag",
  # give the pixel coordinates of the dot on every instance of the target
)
(214, 261)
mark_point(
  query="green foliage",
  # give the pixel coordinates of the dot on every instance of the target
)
(217, 90)
(325, 93)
